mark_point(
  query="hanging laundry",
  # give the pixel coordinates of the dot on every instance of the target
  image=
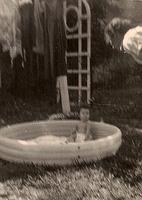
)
(22, 2)
(49, 23)
(60, 42)
(39, 22)
(27, 21)
(10, 34)
(28, 38)
(55, 39)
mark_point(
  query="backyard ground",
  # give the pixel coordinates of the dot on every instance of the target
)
(115, 178)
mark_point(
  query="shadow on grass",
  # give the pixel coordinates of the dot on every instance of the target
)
(127, 164)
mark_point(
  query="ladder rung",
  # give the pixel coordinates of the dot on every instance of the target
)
(77, 88)
(85, 17)
(73, 71)
(76, 54)
(76, 36)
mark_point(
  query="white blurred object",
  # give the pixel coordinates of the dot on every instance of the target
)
(44, 140)
(62, 92)
(10, 33)
(21, 2)
(132, 43)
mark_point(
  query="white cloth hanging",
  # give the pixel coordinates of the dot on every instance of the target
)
(38, 13)
(132, 43)
(10, 34)
(62, 92)
(21, 2)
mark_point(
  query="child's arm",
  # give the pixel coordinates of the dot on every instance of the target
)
(89, 135)
(72, 137)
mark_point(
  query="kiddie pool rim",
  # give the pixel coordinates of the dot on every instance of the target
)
(57, 154)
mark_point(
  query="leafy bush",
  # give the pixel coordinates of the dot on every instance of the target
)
(110, 67)
(119, 71)
(99, 12)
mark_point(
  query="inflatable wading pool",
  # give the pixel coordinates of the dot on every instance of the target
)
(16, 145)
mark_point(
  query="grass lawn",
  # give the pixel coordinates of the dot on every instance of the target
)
(115, 178)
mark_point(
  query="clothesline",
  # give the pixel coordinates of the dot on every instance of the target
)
(36, 26)
(26, 28)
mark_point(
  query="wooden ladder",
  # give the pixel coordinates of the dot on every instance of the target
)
(78, 60)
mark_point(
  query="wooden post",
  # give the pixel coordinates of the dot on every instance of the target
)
(63, 88)
(79, 52)
(0, 80)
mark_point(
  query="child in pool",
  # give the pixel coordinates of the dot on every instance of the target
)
(83, 130)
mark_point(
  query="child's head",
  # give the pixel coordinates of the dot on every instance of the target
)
(84, 113)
